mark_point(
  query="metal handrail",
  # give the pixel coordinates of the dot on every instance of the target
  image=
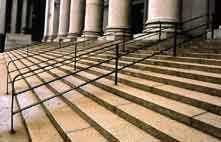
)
(95, 65)
(78, 56)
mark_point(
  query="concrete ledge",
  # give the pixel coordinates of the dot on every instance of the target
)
(17, 40)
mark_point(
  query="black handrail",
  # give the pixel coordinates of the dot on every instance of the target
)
(95, 65)
(78, 56)
(35, 54)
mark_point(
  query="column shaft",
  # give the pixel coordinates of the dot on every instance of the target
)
(53, 19)
(169, 12)
(77, 11)
(46, 25)
(93, 18)
(119, 17)
(2, 25)
(64, 18)
(14, 16)
(24, 16)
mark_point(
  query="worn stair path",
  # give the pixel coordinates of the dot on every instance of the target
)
(63, 116)
(139, 135)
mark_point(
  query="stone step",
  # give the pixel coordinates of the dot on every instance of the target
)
(205, 101)
(36, 120)
(178, 59)
(182, 112)
(184, 65)
(116, 101)
(21, 133)
(201, 55)
(63, 115)
(186, 73)
(103, 117)
(140, 71)
(58, 85)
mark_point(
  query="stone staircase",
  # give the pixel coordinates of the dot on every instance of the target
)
(163, 98)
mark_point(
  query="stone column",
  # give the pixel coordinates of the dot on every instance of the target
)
(64, 18)
(46, 25)
(53, 19)
(14, 15)
(24, 16)
(77, 11)
(119, 18)
(2, 25)
(169, 12)
(93, 18)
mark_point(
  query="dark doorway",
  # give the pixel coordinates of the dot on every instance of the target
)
(137, 17)
(38, 17)
(217, 14)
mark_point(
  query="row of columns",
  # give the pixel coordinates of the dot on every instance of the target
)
(24, 9)
(2, 25)
(76, 13)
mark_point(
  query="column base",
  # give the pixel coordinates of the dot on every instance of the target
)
(90, 35)
(152, 31)
(72, 37)
(44, 39)
(2, 43)
(51, 38)
(118, 33)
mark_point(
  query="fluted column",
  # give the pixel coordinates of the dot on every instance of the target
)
(46, 25)
(64, 18)
(119, 18)
(24, 16)
(93, 18)
(14, 16)
(77, 11)
(169, 12)
(53, 19)
(2, 25)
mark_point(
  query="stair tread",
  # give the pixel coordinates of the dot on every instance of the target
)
(65, 117)
(63, 114)
(204, 73)
(183, 63)
(118, 127)
(169, 77)
(176, 106)
(164, 124)
(185, 92)
(38, 123)
(179, 57)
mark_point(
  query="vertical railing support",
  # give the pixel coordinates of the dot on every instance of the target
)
(27, 50)
(59, 43)
(116, 64)
(160, 32)
(212, 27)
(175, 41)
(12, 131)
(7, 88)
(124, 43)
(75, 55)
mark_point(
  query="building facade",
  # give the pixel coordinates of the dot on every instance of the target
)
(52, 20)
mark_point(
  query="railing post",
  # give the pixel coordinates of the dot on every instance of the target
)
(175, 41)
(124, 42)
(27, 50)
(59, 43)
(75, 54)
(160, 32)
(12, 131)
(116, 64)
(7, 92)
(212, 27)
